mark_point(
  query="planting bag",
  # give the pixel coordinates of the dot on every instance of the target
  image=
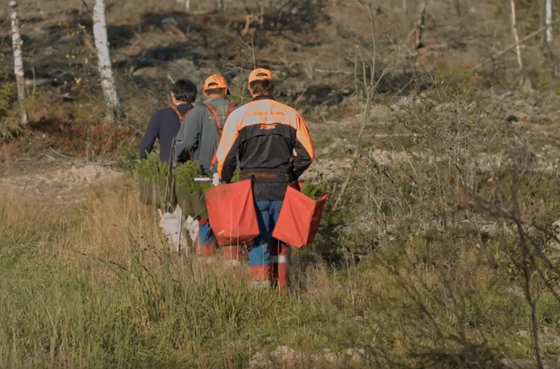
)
(156, 192)
(171, 225)
(193, 204)
(299, 218)
(232, 214)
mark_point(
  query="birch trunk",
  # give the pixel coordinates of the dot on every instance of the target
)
(548, 20)
(515, 36)
(18, 63)
(112, 102)
(222, 5)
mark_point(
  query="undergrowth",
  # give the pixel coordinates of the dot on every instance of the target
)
(444, 257)
(101, 289)
(8, 128)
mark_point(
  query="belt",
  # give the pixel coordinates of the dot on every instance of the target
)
(267, 177)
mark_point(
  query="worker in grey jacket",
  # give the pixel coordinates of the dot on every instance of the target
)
(201, 130)
(198, 140)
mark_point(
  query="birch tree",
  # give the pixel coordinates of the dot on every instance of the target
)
(18, 62)
(516, 37)
(112, 102)
(548, 20)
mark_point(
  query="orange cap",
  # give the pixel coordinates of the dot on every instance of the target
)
(260, 75)
(215, 82)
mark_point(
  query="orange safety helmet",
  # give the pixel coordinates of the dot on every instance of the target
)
(215, 82)
(260, 74)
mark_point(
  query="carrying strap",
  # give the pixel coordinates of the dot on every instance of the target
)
(218, 124)
(181, 117)
(216, 118)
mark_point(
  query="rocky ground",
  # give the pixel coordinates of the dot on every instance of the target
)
(386, 140)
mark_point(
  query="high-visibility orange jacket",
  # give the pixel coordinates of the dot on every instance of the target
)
(269, 138)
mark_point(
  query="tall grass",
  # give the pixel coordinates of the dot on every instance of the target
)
(453, 264)
(93, 284)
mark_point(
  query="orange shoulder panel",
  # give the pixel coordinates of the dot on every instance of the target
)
(302, 135)
(268, 112)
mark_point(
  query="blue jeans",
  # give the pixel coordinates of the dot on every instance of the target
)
(259, 251)
(205, 235)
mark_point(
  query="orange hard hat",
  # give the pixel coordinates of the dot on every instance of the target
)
(260, 74)
(215, 82)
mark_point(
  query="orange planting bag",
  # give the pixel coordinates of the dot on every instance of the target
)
(299, 218)
(232, 214)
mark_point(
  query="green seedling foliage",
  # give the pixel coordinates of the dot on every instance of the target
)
(313, 190)
(187, 172)
(236, 175)
(152, 169)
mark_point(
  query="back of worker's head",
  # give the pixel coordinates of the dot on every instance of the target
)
(260, 83)
(215, 86)
(184, 90)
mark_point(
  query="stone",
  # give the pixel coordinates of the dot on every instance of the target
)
(259, 361)
(286, 355)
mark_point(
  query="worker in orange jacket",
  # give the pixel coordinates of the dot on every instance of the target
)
(274, 149)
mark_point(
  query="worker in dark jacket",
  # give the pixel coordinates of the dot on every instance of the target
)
(165, 123)
(201, 130)
(272, 143)
(199, 136)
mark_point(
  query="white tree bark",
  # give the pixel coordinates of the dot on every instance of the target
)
(18, 63)
(548, 20)
(515, 36)
(112, 102)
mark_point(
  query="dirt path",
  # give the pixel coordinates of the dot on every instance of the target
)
(60, 181)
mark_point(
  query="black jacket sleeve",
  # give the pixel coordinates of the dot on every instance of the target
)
(230, 162)
(152, 133)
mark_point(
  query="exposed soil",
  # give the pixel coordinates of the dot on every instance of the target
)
(60, 181)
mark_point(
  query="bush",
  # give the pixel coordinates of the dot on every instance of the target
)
(313, 190)
(8, 129)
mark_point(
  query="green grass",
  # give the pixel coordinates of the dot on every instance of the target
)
(407, 268)
(94, 286)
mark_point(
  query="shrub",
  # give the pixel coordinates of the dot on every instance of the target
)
(8, 129)
(313, 190)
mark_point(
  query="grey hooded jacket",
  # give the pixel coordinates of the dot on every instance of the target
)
(199, 133)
